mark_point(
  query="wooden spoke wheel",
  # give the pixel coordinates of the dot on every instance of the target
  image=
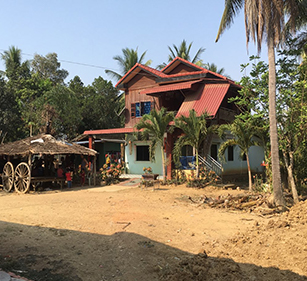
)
(22, 178)
(8, 176)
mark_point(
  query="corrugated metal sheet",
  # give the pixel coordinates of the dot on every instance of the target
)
(110, 131)
(172, 87)
(207, 99)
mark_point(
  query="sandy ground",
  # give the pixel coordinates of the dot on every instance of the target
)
(126, 233)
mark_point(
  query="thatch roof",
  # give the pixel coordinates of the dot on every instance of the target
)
(43, 144)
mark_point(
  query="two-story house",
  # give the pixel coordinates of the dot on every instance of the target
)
(179, 87)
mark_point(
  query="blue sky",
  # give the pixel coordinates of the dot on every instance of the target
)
(93, 32)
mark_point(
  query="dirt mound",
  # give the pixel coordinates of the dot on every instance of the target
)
(276, 250)
(297, 214)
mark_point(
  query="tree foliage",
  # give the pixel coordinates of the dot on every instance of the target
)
(48, 67)
(125, 62)
(37, 100)
(183, 51)
(265, 20)
(243, 134)
(291, 109)
(153, 126)
(195, 130)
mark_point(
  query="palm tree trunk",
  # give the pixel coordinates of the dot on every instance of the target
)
(293, 186)
(250, 184)
(163, 163)
(277, 189)
(197, 163)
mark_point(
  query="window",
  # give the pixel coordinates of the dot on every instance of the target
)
(139, 109)
(244, 157)
(142, 153)
(230, 153)
(187, 150)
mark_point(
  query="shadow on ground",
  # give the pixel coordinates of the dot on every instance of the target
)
(45, 254)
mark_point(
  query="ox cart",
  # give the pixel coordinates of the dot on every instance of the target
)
(20, 177)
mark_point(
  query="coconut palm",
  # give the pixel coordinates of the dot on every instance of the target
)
(129, 58)
(12, 56)
(243, 135)
(195, 131)
(183, 51)
(301, 24)
(302, 44)
(153, 126)
(12, 60)
(265, 19)
(213, 67)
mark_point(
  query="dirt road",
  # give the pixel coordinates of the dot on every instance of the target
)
(112, 234)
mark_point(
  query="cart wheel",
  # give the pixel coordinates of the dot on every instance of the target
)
(22, 178)
(8, 176)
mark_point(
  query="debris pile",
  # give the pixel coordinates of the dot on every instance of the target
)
(251, 202)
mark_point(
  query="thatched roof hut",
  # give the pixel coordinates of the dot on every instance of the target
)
(43, 144)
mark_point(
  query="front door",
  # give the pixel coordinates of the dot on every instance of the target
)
(214, 151)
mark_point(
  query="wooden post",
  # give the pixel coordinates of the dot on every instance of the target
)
(94, 172)
(169, 152)
(90, 142)
(30, 160)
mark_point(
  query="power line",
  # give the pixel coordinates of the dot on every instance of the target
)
(71, 62)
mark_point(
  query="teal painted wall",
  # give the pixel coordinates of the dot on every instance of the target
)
(136, 167)
(237, 166)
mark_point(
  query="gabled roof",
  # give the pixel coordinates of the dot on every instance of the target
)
(176, 61)
(135, 70)
(165, 74)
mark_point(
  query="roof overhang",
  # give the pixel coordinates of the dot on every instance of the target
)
(110, 131)
(171, 87)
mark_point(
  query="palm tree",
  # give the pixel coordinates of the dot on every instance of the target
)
(301, 24)
(12, 60)
(264, 19)
(213, 67)
(154, 125)
(243, 136)
(195, 132)
(183, 51)
(129, 58)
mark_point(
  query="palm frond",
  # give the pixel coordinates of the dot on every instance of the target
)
(224, 146)
(232, 7)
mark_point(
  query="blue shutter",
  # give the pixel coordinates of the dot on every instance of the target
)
(147, 107)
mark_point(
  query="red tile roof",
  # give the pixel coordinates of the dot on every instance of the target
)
(110, 131)
(171, 87)
(206, 99)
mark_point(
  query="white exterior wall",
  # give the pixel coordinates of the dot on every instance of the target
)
(238, 166)
(136, 167)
